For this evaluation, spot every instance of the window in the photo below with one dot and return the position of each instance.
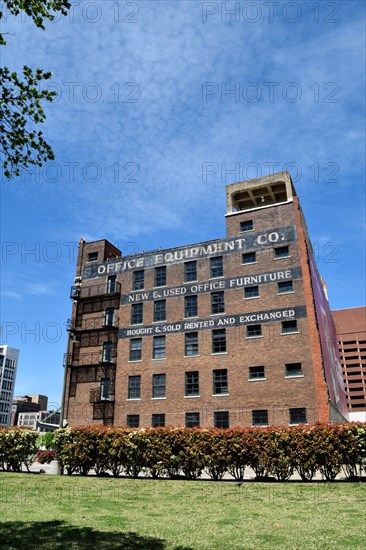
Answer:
(191, 343)
(254, 331)
(111, 284)
(159, 385)
(160, 310)
(134, 387)
(136, 314)
(138, 280)
(135, 349)
(256, 373)
(158, 420)
(190, 306)
(249, 258)
(293, 369)
(220, 384)
(260, 417)
(298, 416)
(219, 340)
(285, 286)
(105, 389)
(93, 257)
(246, 226)
(190, 271)
(159, 347)
(216, 265)
(221, 419)
(107, 352)
(160, 276)
(192, 420)
(192, 383)
(109, 316)
(133, 420)
(251, 292)
(289, 327)
(281, 252)
(217, 303)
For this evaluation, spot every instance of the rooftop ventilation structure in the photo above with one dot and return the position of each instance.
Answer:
(259, 193)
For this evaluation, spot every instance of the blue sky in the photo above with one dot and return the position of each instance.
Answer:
(147, 134)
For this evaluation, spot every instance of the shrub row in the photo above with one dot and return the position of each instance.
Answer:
(174, 452)
(17, 447)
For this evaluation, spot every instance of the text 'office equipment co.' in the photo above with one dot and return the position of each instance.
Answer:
(225, 321)
(212, 286)
(252, 241)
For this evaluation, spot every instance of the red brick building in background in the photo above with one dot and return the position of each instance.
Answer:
(230, 332)
(351, 334)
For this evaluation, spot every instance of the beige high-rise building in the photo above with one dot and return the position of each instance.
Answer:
(8, 370)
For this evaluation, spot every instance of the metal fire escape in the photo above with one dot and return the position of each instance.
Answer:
(95, 324)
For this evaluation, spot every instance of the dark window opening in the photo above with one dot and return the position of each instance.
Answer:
(160, 276)
(216, 265)
(246, 226)
(220, 381)
(219, 341)
(221, 419)
(190, 271)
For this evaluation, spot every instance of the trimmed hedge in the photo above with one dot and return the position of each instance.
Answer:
(17, 448)
(174, 452)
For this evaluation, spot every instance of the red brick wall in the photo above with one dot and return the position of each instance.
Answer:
(273, 350)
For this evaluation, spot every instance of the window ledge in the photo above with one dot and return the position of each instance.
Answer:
(188, 356)
(251, 297)
(136, 324)
(133, 399)
(191, 396)
(157, 398)
(249, 263)
(260, 425)
(157, 287)
(158, 322)
(256, 379)
(158, 359)
(292, 332)
(220, 394)
(189, 282)
(216, 314)
(286, 292)
(219, 353)
(294, 376)
(135, 360)
(219, 277)
(282, 258)
(254, 337)
(193, 317)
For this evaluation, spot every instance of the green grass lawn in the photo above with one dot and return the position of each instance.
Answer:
(51, 512)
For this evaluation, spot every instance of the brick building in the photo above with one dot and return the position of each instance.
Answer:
(230, 332)
(351, 333)
(27, 404)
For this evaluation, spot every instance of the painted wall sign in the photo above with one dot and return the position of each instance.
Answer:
(240, 319)
(211, 286)
(251, 241)
(328, 342)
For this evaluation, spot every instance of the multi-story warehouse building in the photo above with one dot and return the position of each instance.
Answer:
(230, 332)
(351, 334)
(8, 371)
